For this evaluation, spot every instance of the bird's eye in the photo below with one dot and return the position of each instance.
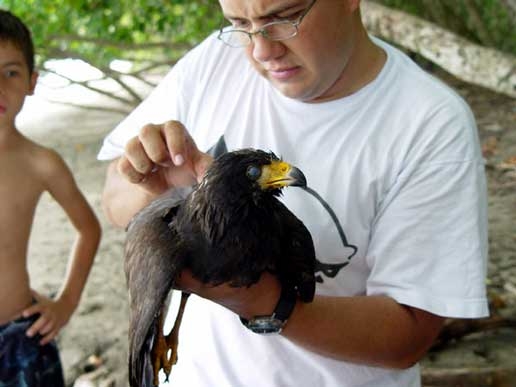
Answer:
(253, 172)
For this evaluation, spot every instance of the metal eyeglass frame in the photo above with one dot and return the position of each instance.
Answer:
(228, 31)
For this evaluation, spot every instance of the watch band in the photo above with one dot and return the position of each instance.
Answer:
(275, 322)
(286, 304)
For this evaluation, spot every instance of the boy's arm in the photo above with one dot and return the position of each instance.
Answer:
(61, 185)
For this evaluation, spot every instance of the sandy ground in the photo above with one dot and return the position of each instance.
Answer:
(100, 324)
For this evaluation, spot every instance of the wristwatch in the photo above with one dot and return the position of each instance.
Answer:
(274, 323)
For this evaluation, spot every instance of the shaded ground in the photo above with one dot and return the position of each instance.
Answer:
(100, 324)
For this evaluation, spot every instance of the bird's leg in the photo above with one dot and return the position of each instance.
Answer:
(159, 348)
(173, 337)
(164, 344)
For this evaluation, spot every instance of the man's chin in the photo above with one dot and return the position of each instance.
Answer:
(287, 89)
(291, 92)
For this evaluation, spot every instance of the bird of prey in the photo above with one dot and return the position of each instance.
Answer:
(230, 228)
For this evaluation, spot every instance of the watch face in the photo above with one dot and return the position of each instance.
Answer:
(265, 325)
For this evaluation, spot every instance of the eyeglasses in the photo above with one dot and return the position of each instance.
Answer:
(276, 30)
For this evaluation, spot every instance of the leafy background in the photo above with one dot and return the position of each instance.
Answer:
(153, 34)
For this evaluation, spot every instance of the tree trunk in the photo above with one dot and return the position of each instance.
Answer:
(467, 61)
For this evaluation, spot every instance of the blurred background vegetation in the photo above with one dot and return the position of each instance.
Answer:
(153, 34)
(491, 23)
(150, 34)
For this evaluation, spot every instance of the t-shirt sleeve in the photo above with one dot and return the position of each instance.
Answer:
(162, 104)
(429, 242)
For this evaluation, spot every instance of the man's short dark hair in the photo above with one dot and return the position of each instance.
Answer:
(14, 31)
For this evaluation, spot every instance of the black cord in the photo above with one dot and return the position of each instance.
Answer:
(334, 218)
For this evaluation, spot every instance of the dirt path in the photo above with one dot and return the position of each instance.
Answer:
(100, 324)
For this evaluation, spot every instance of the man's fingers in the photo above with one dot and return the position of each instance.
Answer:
(163, 145)
(152, 143)
(201, 164)
(176, 138)
(126, 169)
(183, 149)
(138, 157)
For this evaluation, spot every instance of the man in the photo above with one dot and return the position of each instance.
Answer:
(391, 150)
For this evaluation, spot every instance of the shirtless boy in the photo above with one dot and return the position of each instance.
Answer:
(30, 321)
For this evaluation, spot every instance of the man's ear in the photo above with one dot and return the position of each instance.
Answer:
(33, 81)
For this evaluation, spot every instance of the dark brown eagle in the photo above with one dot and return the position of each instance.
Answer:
(230, 228)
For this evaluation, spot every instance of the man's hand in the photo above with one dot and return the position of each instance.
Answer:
(259, 299)
(160, 157)
(54, 314)
(163, 156)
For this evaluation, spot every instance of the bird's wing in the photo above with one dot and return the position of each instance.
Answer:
(297, 264)
(153, 258)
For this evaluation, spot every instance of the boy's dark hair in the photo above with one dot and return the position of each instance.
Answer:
(14, 31)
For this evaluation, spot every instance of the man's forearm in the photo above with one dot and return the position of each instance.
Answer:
(371, 330)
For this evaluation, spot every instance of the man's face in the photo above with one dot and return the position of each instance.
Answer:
(15, 82)
(310, 66)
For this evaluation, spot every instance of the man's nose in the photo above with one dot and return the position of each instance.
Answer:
(265, 49)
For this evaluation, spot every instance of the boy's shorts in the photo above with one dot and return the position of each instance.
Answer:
(23, 361)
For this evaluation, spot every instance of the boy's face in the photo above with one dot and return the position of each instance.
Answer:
(308, 67)
(15, 82)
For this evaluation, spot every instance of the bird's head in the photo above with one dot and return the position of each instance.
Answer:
(251, 171)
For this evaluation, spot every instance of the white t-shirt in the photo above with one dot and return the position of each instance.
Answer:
(398, 162)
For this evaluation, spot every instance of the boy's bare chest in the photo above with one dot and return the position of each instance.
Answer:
(20, 188)
(18, 200)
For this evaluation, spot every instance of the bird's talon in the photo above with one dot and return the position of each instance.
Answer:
(164, 351)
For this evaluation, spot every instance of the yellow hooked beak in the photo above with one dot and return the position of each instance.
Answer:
(279, 174)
